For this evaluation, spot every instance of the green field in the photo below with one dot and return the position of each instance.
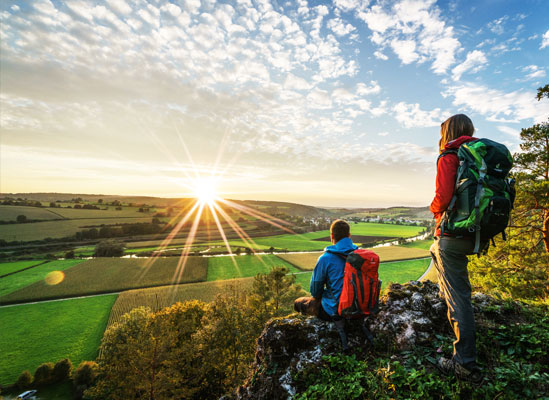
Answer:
(307, 242)
(47, 332)
(57, 228)
(10, 213)
(394, 271)
(9, 267)
(420, 244)
(220, 268)
(34, 276)
(105, 275)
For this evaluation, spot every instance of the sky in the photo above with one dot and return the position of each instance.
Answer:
(321, 103)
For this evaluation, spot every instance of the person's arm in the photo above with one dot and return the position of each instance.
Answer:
(318, 279)
(445, 183)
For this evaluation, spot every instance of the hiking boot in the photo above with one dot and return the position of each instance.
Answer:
(451, 367)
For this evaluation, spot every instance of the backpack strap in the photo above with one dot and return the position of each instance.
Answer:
(449, 151)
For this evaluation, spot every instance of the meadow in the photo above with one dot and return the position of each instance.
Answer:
(58, 228)
(14, 266)
(20, 281)
(50, 331)
(10, 213)
(106, 275)
(221, 268)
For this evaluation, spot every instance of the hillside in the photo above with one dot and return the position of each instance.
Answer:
(299, 357)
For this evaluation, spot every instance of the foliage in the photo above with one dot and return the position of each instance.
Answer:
(62, 370)
(49, 331)
(156, 356)
(543, 92)
(273, 293)
(85, 374)
(518, 267)
(43, 374)
(24, 380)
(109, 248)
(512, 355)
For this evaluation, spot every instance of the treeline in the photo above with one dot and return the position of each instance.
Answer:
(190, 350)
(121, 230)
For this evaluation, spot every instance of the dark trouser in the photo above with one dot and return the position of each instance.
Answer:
(450, 259)
(313, 307)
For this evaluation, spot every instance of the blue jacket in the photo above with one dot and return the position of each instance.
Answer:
(327, 279)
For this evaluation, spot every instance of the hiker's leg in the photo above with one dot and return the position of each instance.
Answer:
(451, 264)
(307, 306)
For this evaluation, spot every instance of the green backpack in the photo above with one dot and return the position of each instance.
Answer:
(483, 195)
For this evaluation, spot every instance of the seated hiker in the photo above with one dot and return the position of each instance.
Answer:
(327, 279)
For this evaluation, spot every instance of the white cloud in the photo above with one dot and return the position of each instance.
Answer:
(497, 105)
(496, 26)
(363, 90)
(383, 133)
(120, 6)
(475, 61)
(411, 116)
(509, 131)
(380, 55)
(405, 50)
(339, 27)
(414, 30)
(296, 83)
(545, 40)
(534, 72)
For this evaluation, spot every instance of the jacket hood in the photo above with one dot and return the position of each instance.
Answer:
(454, 144)
(344, 246)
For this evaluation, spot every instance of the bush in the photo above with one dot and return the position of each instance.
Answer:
(69, 254)
(62, 370)
(24, 380)
(109, 248)
(43, 374)
(85, 374)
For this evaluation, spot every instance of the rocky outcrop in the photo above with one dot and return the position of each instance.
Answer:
(409, 315)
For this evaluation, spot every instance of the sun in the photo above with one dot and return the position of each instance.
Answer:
(205, 191)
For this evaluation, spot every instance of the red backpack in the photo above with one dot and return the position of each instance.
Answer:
(361, 285)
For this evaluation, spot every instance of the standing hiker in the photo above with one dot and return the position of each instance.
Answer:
(450, 253)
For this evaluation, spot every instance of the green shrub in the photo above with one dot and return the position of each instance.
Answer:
(109, 248)
(24, 380)
(62, 370)
(85, 374)
(43, 374)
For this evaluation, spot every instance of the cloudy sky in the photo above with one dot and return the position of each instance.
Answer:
(323, 103)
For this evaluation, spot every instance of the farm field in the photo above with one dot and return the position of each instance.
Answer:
(47, 332)
(221, 268)
(10, 213)
(21, 280)
(307, 261)
(164, 296)
(420, 244)
(105, 275)
(310, 241)
(10, 267)
(56, 229)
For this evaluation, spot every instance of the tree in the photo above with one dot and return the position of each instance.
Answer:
(43, 374)
(21, 219)
(69, 254)
(109, 248)
(24, 380)
(518, 267)
(156, 356)
(86, 373)
(543, 92)
(274, 292)
(62, 370)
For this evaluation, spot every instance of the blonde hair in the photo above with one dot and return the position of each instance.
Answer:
(454, 127)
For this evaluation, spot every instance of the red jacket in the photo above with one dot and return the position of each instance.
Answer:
(446, 179)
